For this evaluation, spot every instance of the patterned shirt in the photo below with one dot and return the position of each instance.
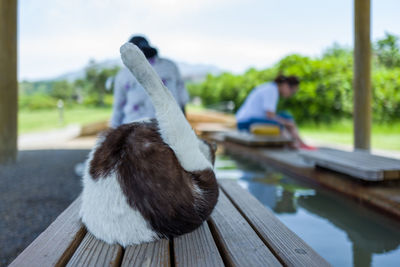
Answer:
(131, 101)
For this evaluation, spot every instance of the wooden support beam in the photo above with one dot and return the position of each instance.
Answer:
(362, 74)
(8, 81)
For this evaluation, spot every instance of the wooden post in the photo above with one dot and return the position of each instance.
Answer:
(8, 81)
(362, 74)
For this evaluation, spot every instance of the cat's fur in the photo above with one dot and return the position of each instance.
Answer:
(149, 179)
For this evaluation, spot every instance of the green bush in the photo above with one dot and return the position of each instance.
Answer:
(89, 91)
(36, 101)
(326, 87)
(326, 90)
(386, 94)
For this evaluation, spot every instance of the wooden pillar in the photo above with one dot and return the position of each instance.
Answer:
(8, 81)
(362, 74)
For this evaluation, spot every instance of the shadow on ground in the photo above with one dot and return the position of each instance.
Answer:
(33, 192)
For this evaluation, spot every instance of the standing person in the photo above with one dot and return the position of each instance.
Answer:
(131, 102)
(261, 104)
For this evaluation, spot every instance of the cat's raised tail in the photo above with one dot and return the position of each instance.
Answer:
(174, 128)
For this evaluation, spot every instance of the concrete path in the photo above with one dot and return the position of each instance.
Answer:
(35, 190)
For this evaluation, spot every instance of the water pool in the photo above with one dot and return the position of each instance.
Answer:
(342, 231)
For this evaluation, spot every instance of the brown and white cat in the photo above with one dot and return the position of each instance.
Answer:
(151, 179)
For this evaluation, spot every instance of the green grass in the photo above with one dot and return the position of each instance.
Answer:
(41, 120)
(384, 136)
(191, 107)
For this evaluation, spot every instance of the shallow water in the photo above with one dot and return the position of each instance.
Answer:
(342, 231)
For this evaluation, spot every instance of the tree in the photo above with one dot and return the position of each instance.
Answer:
(62, 90)
(388, 51)
(94, 84)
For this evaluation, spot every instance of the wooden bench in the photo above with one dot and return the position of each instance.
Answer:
(249, 139)
(359, 164)
(240, 232)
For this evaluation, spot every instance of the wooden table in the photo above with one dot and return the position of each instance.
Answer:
(240, 232)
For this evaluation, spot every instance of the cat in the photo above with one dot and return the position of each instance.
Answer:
(149, 179)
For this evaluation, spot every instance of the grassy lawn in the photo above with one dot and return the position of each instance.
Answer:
(385, 137)
(40, 120)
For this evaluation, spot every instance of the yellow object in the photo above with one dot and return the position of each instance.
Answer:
(265, 129)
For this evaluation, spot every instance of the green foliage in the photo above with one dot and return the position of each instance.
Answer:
(229, 87)
(89, 91)
(63, 90)
(326, 87)
(94, 84)
(30, 88)
(326, 90)
(36, 101)
(44, 95)
(388, 52)
(386, 94)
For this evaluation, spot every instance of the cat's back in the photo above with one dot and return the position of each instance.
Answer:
(172, 200)
(135, 141)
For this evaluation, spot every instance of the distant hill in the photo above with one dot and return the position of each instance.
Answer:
(189, 72)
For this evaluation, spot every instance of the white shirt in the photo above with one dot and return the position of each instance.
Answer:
(131, 101)
(262, 98)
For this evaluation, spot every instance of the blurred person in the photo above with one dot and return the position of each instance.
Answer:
(131, 101)
(261, 104)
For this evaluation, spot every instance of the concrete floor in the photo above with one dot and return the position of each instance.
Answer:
(33, 192)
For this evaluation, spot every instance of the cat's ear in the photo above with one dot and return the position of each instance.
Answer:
(174, 128)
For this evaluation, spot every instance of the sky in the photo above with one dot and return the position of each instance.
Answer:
(59, 36)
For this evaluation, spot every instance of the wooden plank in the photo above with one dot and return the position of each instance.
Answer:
(342, 165)
(57, 243)
(94, 128)
(390, 167)
(148, 254)
(288, 156)
(254, 140)
(344, 159)
(207, 116)
(197, 249)
(94, 252)
(237, 241)
(366, 157)
(360, 165)
(210, 127)
(8, 81)
(362, 74)
(286, 245)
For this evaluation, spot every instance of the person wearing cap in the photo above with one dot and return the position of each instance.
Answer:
(261, 104)
(131, 101)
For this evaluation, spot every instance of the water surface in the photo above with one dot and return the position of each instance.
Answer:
(342, 231)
